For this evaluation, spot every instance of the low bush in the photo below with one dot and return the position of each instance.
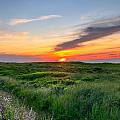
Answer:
(36, 75)
(88, 79)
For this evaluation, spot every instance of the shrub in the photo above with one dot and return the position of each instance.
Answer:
(36, 75)
(88, 79)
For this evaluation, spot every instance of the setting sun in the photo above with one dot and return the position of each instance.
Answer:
(62, 59)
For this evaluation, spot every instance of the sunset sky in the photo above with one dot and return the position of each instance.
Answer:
(58, 30)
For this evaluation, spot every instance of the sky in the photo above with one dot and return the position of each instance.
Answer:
(56, 30)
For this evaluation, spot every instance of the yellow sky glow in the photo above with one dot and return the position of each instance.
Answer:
(24, 44)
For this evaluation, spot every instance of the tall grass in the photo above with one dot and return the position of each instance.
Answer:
(70, 91)
(86, 104)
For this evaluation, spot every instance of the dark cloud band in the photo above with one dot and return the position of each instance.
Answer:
(95, 30)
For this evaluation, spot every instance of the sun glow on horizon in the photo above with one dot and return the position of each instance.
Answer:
(62, 60)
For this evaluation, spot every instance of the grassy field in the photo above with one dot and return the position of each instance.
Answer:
(63, 91)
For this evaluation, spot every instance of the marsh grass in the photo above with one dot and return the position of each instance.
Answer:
(70, 91)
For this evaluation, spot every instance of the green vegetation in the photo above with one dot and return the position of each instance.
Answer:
(12, 109)
(65, 91)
